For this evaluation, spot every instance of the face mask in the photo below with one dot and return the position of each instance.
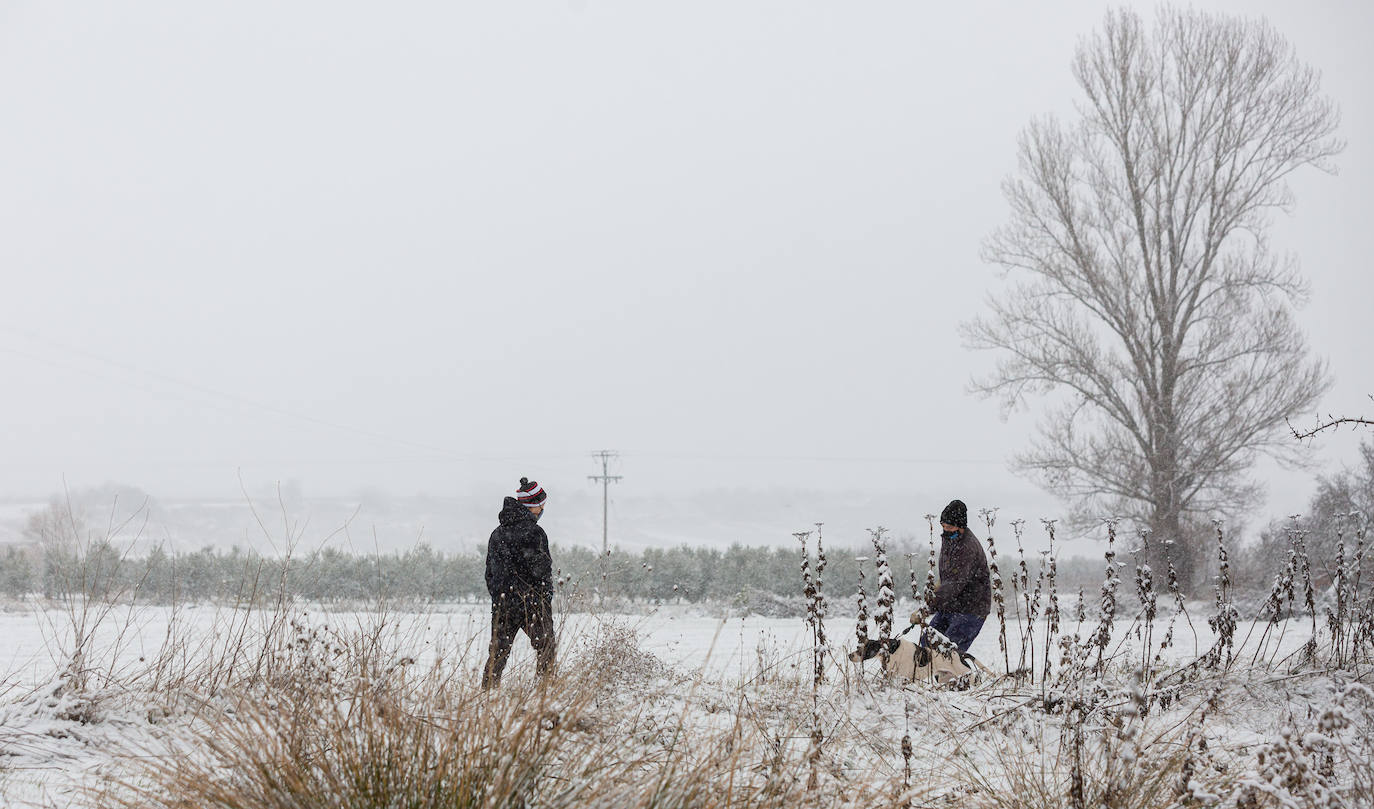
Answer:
(948, 534)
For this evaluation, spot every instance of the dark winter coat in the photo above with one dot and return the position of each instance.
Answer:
(965, 586)
(518, 561)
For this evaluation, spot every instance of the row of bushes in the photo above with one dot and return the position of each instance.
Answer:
(655, 575)
(681, 574)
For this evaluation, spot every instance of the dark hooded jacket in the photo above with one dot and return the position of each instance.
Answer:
(518, 561)
(965, 586)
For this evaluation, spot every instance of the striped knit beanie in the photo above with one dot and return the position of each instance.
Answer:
(530, 493)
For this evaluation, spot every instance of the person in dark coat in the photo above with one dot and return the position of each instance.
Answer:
(964, 597)
(520, 582)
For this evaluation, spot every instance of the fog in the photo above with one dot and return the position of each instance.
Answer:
(429, 248)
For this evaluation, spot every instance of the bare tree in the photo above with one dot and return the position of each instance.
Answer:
(1145, 293)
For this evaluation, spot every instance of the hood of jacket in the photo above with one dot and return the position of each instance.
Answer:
(512, 513)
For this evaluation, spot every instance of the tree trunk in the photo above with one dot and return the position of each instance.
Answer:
(1167, 542)
(1168, 526)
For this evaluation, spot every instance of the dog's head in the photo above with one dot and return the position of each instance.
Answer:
(872, 648)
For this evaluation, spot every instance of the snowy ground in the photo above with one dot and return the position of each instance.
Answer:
(685, 637)
(56, 747)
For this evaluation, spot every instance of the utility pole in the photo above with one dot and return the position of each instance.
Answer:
(605, 479)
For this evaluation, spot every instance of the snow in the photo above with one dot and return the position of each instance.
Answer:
(58, 743)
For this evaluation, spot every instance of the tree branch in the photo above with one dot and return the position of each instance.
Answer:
(1331, 423)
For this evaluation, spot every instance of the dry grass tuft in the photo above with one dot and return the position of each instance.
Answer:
(1052, 767)
(378, 746)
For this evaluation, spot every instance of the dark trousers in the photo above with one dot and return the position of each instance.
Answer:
(959, 627)
(511, 614)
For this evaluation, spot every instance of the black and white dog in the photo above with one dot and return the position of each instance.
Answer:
(917, 663)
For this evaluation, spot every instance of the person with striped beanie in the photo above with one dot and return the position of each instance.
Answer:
(520, 581)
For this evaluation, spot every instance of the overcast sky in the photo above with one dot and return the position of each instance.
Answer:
(436, 246)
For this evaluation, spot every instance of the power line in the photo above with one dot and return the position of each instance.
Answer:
(821, 458)
(227, 401)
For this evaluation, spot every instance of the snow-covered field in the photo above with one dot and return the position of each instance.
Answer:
(685, 637)
(149, 675)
